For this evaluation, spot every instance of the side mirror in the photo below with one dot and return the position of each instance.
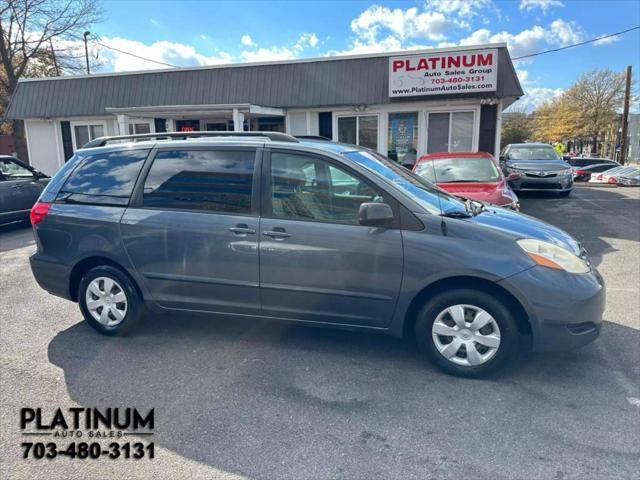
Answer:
(373, 214)
(502, 159)
(513, 176)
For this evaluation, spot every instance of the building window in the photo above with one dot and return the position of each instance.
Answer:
(85, 133)
(359, 130)
(450, 132)
(402, 145)
(139, 128)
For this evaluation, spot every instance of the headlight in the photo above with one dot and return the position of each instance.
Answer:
(552, 256)
(566, 171)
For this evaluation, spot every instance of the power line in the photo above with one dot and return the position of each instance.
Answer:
(576, 44)
(134, 55)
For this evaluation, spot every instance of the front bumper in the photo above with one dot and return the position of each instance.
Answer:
(565, 310)
(557, 183)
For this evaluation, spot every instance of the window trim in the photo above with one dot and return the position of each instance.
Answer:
(138, 190)
(85, 123)
(266, 197)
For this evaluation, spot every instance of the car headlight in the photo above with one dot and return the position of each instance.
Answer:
(566, 171)
(552, 256)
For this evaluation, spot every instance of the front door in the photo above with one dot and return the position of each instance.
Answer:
(316, 262)
(192, 234)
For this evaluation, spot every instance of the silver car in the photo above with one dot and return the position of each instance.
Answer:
(536, 167)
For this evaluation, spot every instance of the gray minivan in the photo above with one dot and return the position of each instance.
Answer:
(260, 224)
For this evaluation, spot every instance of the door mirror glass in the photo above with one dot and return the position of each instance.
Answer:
(374, 214)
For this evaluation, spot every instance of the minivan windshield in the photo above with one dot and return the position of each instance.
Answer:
(435, 200)
(458, 170)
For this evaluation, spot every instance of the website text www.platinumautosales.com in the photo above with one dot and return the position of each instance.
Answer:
(441, 88)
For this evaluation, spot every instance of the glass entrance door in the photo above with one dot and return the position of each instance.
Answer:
(450, 131)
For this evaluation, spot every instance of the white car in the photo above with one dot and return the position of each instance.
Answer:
(611, 176)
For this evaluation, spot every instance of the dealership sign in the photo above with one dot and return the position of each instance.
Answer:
(443, 73)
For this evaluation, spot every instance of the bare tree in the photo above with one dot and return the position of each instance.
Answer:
(36, 34)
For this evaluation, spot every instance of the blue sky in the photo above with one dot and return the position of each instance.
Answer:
(187, 33)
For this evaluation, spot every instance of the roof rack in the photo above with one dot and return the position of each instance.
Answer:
(273, 136)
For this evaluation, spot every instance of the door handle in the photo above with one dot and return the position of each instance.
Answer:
(277, 233)
(242, 229)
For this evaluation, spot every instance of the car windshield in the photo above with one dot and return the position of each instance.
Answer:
(458, 170)
(533, 153)
(435, 200)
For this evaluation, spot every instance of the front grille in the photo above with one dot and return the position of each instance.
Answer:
(541, 186)
(541, 174)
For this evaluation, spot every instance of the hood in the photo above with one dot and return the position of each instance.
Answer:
(538, 165)
(523, 226)
(483, 192)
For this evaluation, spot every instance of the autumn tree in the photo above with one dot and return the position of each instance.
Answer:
(597, 96)
(40, 38)
(516, 127)
(557, 119)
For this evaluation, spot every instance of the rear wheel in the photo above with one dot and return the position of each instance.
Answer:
(109, 301)
(467, 332)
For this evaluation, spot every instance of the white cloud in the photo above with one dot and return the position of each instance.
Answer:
(247, 41)
(464, 8)
(606, 41)
(403, 24)
(267, 54)
(544, 5)
(163, 51)
(536, 96)
(531, 40)
(306, 40)
(565, 33)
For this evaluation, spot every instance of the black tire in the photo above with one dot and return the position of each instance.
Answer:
(564, 194)
(504, 318)
(134, 304)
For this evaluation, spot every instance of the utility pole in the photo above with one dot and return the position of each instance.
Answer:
(625, 118)
(86, 50)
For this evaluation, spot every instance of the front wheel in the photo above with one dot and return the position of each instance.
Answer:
(109, 301)
(467, 333)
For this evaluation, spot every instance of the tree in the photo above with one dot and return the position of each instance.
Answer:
(557, 120)
(597, 95)
(516, 127)
(40, 37)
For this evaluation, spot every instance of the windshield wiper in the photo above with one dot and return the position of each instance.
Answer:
(461, 181)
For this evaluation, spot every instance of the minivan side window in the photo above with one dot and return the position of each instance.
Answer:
(307, 188)
(105, 178)
(208, 180)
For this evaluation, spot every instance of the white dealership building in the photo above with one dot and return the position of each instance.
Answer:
(409, 102)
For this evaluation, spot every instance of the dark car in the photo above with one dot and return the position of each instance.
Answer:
(20, 187)
(583, 173)
(538, 167)
(261, 225)
(586, 162)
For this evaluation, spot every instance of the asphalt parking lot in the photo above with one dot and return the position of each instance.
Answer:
(263, 400)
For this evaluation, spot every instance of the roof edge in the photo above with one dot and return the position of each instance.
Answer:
(277, 62)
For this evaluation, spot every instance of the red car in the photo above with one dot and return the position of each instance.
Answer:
(473, 175)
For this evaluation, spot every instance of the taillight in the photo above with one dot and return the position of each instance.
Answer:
(580, 172)
(38, 212)
(612, 180)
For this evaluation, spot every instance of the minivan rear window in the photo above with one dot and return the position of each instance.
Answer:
(105, 178)
(209, 180)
